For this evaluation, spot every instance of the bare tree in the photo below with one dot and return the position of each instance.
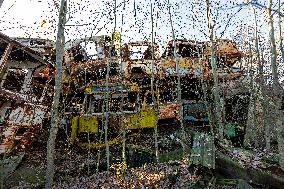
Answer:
(250, 124)
(60, 41)
(178, 87)
(277, 90)
(152, 89)
(280, 31)
(264, 118)
(216, 95)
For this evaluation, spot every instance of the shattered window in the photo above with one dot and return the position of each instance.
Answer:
(20, 55)
(187, 50)
(38, 86)
(137, 52)
(91, 50)
(15, 79)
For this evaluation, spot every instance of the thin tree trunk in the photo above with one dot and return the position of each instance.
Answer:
(216, 95)
(57, 91)
(277, 90)
(122, 124)
(1, 2)
(280, 31)
(107, 116)
(107, 93)
(153, 91)
(265, 122)
(250, 134)
(265, 106)
(178, 87)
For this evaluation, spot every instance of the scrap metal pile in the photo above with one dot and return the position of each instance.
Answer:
(25, 94)
(133, 85)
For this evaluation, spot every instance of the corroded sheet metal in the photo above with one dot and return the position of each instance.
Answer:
(143, 119)
(22, 47)
(4, 59)
(225, 49)
(169, 111)
(21, 109)
(20, 125)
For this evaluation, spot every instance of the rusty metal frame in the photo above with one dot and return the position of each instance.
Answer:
(4, 59)
(24, 48)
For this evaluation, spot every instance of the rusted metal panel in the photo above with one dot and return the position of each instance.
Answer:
(18, 117)
(168, 111)
(225, 49)
(43, 46)
(27, 116)
(24, 48)
(5, 56)
(21, 111)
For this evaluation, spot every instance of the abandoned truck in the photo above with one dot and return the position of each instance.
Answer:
(119, 82)
(25, 93)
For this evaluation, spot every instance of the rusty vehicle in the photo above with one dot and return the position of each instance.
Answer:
(193, 59)
(131, 67)
(86, 73)
(25, 92)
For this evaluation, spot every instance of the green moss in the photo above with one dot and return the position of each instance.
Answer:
(173, 155)
(227, 166)
(28, 176)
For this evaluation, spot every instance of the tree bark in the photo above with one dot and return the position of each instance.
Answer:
(263, 119)
(122, 124)
(57, 91)
(250, 134)
(263, 100)
(280, 31)
(153, 91)
(265, 107)
(178, 87)
(216, 95)
(277, 89)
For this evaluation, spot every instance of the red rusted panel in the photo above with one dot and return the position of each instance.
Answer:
(169, 111)
(4, 59)
(22, 113)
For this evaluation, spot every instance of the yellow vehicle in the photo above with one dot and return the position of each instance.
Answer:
(146, 117)
(124, 108)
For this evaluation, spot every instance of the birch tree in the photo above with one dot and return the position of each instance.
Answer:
(60, 41)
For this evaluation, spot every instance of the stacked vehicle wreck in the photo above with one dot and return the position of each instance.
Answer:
(25, 94)
(126, 87)
(133, 86)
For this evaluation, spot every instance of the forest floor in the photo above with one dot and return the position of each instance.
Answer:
(77, 168)
(72, 172)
